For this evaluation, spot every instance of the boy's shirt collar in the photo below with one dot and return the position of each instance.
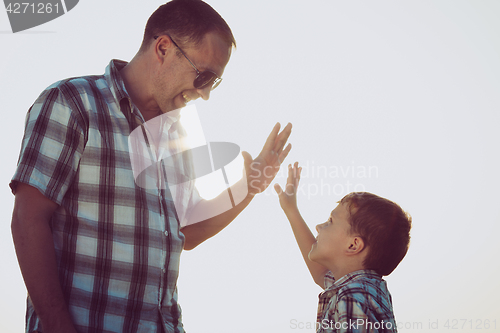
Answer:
(331, 284)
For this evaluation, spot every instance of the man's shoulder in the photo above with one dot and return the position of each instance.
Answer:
(80, 84)
(79, 93)
(108, 87)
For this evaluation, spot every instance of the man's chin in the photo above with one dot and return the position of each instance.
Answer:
(177, 104)
(170, 108)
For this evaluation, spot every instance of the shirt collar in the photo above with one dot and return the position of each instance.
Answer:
(354, 276)
(114, 79)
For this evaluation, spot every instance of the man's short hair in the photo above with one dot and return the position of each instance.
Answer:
(384, 228)
(187, 21)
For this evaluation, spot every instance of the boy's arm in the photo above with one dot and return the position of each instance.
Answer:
(259, 174)
(303, 235)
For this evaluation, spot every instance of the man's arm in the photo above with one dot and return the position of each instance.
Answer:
(302, 233)
(259, 174)
(36, 255)
(197, 233)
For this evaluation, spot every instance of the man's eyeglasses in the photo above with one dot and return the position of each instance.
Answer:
(203, 79)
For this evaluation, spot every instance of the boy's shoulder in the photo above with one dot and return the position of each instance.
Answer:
(361, 295)
(364, 282)
(367, 288)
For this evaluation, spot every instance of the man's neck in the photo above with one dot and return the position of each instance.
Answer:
(135, 78)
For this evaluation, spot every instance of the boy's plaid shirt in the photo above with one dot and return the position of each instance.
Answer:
(358, 302)
(118, 245)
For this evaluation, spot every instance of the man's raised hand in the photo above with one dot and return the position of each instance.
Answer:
(261, 171)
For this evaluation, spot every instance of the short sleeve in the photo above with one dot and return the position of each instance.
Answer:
(52, 145)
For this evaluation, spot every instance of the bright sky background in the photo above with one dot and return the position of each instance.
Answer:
(406, 89)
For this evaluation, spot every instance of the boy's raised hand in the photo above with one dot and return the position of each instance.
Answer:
(288, 197)
(305, 239)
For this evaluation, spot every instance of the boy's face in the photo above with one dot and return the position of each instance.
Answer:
(333, 238)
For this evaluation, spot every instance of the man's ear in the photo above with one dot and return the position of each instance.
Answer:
(356, 246)
(162, 45)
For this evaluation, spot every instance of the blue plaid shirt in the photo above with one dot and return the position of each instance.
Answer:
(118, 244)
(358, 302)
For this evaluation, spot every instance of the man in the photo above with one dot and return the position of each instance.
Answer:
(98, 252)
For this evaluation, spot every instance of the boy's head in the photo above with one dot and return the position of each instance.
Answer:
(365, 229)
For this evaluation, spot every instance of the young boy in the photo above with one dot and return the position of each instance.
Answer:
(365, 237)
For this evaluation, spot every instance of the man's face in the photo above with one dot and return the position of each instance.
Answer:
(333, 238)
(173, 82)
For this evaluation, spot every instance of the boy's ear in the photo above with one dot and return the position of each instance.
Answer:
(355, 246)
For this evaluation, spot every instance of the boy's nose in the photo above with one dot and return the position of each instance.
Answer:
(319, 226)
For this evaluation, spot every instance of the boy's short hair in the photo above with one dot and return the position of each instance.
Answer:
(384, 228)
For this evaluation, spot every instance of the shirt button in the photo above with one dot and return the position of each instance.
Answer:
(163, 270)
(166, 233)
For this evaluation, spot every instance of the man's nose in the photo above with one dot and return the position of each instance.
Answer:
(205, 92)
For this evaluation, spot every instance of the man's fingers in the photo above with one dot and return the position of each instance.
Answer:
(247, 158)
(271, 139)
(284, 153)
(282, 138)
(247, 161)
